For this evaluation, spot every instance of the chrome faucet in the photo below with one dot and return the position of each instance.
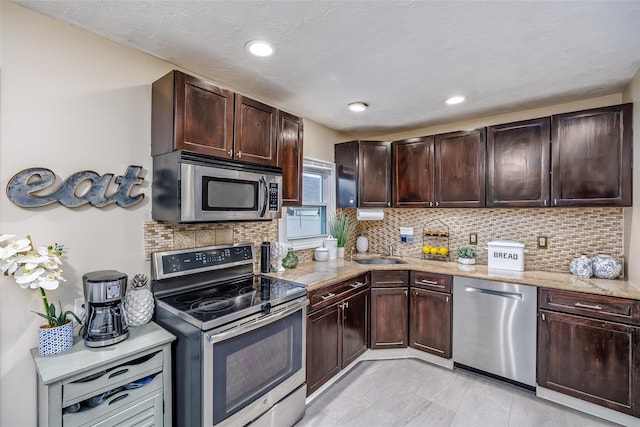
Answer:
(390, 250)
(351, 254)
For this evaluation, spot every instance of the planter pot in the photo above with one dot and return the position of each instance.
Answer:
(55, 340)
(468, 261)
(340, 252)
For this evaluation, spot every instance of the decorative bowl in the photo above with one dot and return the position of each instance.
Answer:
(606, 267)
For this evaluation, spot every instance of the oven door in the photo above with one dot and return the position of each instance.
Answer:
(250, 368)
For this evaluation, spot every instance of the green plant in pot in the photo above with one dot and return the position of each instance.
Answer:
(40, 269)
(466, 255)
(340, 229)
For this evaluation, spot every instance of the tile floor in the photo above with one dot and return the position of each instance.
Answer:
(410, 392)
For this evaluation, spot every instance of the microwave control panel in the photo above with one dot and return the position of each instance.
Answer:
(273, 197)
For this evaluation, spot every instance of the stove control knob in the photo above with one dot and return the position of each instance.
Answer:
(266, 308)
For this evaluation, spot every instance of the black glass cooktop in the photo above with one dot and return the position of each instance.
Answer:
(231, 297)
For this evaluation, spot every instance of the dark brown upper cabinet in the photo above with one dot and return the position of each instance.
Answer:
(518, 163)
(363, 170)
(591, 157)
(413, 172)
(191, 114)
(290, 144)
(255, 131)
(460, 169)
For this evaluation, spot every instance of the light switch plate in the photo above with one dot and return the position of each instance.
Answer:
(542, 242)
(473, 238)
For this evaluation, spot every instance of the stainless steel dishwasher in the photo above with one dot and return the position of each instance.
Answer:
(494, 328)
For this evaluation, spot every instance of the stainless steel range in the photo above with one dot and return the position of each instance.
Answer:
(239, 357)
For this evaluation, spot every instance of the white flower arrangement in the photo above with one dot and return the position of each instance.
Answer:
(39, 268)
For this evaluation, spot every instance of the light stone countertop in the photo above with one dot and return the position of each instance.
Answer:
(315, 275)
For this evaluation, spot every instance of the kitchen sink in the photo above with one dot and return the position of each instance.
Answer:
(379, 261)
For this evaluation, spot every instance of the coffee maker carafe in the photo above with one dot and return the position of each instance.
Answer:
(104, 294)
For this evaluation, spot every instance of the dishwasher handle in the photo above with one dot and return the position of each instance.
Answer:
(503, 294)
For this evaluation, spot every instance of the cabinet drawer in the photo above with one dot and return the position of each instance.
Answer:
(110, 378)
(328, 295)
(432, 281)
(597, 306)
(113, 404)
(389, 279)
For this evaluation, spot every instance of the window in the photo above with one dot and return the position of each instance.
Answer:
(305, 226)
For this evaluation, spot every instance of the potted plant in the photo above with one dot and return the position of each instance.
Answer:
(466, 255)
(340, 229)
(40, 269)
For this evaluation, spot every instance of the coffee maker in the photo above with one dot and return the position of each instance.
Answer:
(104, 294)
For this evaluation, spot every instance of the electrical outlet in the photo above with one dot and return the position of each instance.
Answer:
(78, 307)
(473, 238)
(542, 242)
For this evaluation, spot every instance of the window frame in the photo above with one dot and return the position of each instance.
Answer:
(328, 170)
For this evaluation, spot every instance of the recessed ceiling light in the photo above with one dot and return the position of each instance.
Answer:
(259, 48)
(357, 106)
(454, 100)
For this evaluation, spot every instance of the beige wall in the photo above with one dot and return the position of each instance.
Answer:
(319, 140)
(632, 215)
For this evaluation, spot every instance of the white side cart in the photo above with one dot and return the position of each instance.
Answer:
(126, 384)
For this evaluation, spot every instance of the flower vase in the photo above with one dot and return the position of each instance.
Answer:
(291, 260)
(55, 340)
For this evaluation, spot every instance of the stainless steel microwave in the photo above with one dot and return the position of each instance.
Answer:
(191, 187)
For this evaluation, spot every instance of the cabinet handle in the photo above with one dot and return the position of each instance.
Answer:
(389, 204)
(446, 299)
(119, 398)
(406, 292)
(345, 304)
(555, 202)
(545, 203)
(431, 283)
(357, 285)
(593, 307)
(239, 154)
(543, 317)
(120, 372)
(327, 296)
(437, 204)
(430, 204)
(230, 153)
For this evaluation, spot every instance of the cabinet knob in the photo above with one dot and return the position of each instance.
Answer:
(430, 204)
(389, 204)
(437, 204)
(230, 153)
(406, 292)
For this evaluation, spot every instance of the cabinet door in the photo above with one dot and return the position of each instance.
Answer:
(355, 326)
(323, 346)
(430, 322)
(389, 313)
(374, 174)
(255, 131)
(191, 114)
(590, 359)
(459, 168)
(591, 157)
(290, 138)
(413, 172)
(346, 159)
(518, 167)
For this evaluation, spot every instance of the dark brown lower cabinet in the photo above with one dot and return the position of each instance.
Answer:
(584, 354)
(430, 313)
(389, 317)
(430, 322)
(337, 329)
(389, 309)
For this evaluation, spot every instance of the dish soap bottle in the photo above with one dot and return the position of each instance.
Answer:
(291, 260)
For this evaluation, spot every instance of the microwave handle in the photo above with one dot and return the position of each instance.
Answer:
(263, 209)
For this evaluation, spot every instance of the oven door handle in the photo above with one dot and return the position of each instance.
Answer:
(214, 338)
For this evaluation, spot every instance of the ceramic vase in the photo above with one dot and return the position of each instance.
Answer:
(340, 252)
(278, 252)
(581, 266)
(55, 340)
(362, 244)
(606, 267)
(291, 260)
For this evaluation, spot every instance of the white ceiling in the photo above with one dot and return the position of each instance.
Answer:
(403, 58)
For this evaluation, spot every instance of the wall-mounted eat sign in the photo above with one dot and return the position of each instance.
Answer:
(25, 188)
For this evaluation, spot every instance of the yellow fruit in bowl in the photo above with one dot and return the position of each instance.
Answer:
(426, 249)
(444, 251)
(434, 251)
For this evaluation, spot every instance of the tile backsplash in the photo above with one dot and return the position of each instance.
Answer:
(570, 232)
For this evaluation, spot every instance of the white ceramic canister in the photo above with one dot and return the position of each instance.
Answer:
(331, 244)
(321, 254)
(362, 244)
